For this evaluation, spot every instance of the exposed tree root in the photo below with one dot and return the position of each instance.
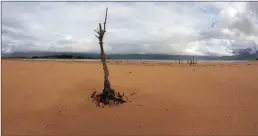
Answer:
(108, 98)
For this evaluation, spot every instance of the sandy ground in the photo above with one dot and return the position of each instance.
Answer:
(52, 98)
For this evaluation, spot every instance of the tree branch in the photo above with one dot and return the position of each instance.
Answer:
(97, 31)
(105, 20)
(100, 28)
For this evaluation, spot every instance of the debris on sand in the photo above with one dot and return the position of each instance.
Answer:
(133, 94)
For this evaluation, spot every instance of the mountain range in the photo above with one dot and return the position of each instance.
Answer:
(242, 54)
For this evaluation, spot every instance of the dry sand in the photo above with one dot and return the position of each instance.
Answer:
(52, 98)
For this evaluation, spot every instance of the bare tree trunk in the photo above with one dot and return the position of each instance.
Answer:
(108, 95)
(101, 32)
(191, 61)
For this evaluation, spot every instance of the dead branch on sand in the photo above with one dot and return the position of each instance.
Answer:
(108, 95)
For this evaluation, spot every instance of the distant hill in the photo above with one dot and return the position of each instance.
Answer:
(67, 55)
(247, 53)
(244, 54)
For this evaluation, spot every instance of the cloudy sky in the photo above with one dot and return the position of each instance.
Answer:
(199, 28)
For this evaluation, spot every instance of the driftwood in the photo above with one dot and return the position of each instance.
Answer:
(108, 95)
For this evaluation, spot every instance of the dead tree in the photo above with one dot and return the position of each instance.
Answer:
(194, 60)
(108, 95)
(191, 61)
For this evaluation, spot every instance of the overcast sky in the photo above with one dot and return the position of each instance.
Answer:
(199, 28)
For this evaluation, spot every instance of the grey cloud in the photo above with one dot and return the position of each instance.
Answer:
(60, 49)
(237, 30)
(253, 7)
(16, 35)
(66, 42)
(216, 33)
(12, 22)
(172, 27)
(15, 47)
(244, 25)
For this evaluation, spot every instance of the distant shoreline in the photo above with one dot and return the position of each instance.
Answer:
(129, 60)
